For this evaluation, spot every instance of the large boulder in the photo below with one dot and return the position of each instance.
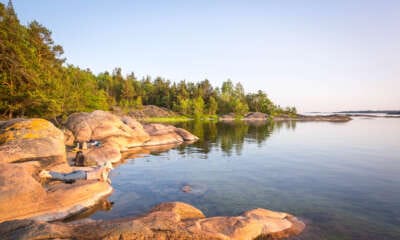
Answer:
(119, 134)
(115, 134)
(101, 125)
(174, 220)
(108, 151)
(31, 139)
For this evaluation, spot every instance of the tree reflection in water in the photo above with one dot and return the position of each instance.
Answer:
(230, 136)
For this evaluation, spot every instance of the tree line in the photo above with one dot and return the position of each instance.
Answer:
(35, 80)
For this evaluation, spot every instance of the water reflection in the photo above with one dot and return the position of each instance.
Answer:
(231, 136)
(342, 178)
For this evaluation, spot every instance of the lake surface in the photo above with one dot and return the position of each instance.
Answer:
(342, 179)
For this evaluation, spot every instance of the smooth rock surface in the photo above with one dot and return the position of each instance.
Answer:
(227, 117)
(167, 134)
(108, 151)
(119, 134)
(26, 147)
(173, 220)
(100, 125)
(30, 139)
(69, 138)
(23, 195)
(255, 116)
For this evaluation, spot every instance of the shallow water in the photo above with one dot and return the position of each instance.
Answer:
(342, 179)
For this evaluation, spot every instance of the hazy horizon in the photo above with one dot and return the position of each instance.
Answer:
(316, 56)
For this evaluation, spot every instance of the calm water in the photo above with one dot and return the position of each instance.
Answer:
(342, 179)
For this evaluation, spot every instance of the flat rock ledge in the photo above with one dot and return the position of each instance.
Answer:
(172, 220)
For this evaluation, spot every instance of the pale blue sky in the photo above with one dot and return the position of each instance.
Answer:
(317, 55)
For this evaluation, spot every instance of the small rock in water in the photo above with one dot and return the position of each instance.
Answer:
(186, 189)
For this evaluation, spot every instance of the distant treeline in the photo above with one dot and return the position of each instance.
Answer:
(36, 81)
(393, 112)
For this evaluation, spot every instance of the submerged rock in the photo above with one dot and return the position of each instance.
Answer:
(186, 189)
(174, 220)
(194, 188)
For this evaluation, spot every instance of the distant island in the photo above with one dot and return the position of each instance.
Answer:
(392, 112)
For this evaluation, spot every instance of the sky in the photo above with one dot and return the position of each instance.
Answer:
(315, 55)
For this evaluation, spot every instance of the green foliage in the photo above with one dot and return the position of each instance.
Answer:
(212, 106)
(259, 102)
(239, 107)
(35, 81)
(167, 119)
(198, 107)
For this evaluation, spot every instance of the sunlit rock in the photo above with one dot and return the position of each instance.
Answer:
(173, 220)
(101, 125)
(30, 139)
(167, 134)
(255, 116)
(23, 195)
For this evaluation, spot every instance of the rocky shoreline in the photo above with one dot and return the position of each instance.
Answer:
(316, 118)
(258, 116)
(27, 203)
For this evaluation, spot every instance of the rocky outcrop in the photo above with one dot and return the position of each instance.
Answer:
(173, 220)
(102, 126)
(255, 116)
(108, 151)
(119, 134)
(69, 138)
(167, 134)
(186, 135)
(23, 196)
(26, 147)
(150, 111)
(227, 117)
(30, 139)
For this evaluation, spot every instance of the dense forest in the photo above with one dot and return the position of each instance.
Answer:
(35, 80)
